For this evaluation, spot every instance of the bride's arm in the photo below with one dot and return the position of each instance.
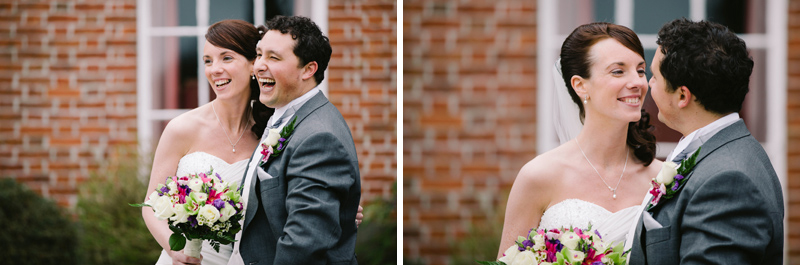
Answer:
(171, 147)
(529, 196)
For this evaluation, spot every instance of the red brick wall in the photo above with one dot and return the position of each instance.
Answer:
(469, 120)
(67, 90)
(793, 147)
(362, 84)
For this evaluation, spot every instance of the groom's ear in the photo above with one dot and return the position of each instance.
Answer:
(684, 96)
(578, 83)
(309, 69)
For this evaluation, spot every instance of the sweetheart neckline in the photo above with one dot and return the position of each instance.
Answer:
(220, 159)
(590, 203)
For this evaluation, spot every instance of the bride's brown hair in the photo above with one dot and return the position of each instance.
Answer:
(575, 61)
(241, 37)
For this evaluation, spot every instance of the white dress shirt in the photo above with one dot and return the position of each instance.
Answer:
(704, 134)
(236, 257)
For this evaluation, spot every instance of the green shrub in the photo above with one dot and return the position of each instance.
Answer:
(111, 231)
(34, 230)
(377, 234)
(481, 242)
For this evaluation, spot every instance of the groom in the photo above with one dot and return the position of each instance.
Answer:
(729, 210)
(305, 189)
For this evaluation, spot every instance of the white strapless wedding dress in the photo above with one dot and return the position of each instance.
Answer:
(201, 162)
(613, 227)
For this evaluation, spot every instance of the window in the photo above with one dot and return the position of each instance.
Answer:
(170, 40)
(764, 110)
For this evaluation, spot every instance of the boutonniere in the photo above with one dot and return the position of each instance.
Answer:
(276, 141)
(670, 179)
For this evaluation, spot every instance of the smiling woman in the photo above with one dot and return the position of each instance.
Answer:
(603, 69)
(221, 134)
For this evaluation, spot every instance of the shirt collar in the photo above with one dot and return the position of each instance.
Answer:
(296, 104)
(705, 133)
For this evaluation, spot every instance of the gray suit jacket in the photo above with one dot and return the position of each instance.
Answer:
(729, 211)
(306, 213)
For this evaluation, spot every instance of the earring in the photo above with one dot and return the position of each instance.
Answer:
(253, 77)
(585, 99)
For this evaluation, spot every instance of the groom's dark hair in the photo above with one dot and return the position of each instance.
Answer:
(709, 59)
(310, 44)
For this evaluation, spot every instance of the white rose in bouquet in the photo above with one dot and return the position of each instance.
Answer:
(196, 184)
(226, 212)
(525, 258)
(509, 254)
(207, 215)
(152, 198)
(569, 239)
(163, 208)
(181, 215)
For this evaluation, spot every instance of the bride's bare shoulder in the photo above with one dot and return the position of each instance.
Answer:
(544, 168)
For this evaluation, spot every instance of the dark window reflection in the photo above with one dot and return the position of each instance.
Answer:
(741, 16)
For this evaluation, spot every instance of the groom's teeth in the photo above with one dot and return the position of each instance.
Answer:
(268, 81)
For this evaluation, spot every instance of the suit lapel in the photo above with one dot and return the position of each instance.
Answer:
(252, 203)
(636, 245)
(735, 131)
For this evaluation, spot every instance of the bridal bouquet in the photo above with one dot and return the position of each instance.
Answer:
(562, 246)
(199, 207)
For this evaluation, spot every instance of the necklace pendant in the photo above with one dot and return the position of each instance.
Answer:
(614, 195)
(234, 150)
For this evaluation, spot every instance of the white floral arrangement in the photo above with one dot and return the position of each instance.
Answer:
(199, 207)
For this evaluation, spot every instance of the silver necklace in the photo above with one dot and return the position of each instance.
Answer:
(233, 145)
(614, 190)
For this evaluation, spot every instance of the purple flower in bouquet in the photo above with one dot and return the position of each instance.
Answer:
(218, 203)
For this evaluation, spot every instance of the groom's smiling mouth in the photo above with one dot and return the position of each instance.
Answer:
(266, 83)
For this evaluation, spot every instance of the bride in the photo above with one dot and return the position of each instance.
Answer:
(222, 134)
(601, 176)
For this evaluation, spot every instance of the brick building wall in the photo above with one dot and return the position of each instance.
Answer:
(793, 145)
(469, 113)
(362, 84)
(68, 89)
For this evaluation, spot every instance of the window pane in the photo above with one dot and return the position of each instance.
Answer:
(174, 72)
(171, 13)
(741, 16)
(573, 13)
(278, 7)
(650, 15)
(231, 9)
(754, 111)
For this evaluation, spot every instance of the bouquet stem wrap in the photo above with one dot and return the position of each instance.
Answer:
(193, 247)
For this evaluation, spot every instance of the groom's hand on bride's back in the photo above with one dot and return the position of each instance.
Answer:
(178, 258)
(359, 215)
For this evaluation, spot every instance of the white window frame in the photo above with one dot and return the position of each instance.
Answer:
(773, 42)
(317, 10)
